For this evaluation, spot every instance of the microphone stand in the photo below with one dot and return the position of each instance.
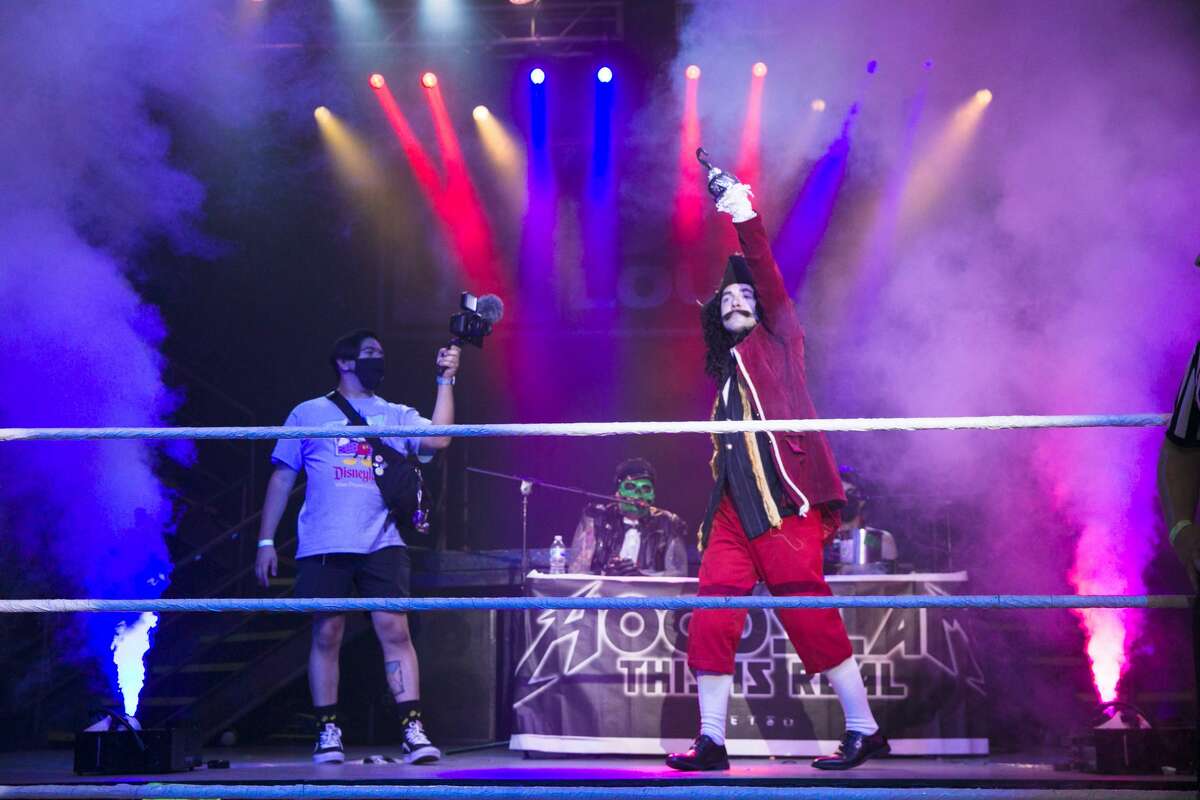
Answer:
(526, 487)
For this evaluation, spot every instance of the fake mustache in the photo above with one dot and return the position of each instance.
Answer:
(731, 314)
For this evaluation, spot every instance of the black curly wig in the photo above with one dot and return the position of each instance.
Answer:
(717, 340)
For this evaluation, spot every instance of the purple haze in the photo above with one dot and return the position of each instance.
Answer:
(85, 178)
(1052, 275)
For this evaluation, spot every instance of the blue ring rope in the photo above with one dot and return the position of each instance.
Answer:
(206, 791)
(340, 604)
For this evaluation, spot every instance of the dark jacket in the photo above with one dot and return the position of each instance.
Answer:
(602, 528)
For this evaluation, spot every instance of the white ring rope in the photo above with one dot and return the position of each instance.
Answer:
(1011, 422)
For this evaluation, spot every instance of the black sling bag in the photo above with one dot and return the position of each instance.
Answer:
(398, 476)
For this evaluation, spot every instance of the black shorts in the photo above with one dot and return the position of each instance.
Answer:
(384, 573)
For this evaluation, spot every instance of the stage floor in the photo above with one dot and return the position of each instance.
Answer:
(499, 766)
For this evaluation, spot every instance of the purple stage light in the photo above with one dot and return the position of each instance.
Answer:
(872, 65)
(604, 74)
(537, 76)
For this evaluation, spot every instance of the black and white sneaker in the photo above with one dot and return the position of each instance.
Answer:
(416, 747)
(329, 745)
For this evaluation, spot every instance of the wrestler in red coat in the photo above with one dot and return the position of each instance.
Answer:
(774, 502)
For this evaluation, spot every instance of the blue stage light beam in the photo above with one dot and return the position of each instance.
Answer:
(600, 227)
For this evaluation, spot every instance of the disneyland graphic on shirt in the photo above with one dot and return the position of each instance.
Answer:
(357, 464)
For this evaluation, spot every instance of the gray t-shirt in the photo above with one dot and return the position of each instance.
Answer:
(343, 511)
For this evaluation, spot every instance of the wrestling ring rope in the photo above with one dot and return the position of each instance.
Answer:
(339, 604)
(184, 791)
(861, 425)
(710, 789)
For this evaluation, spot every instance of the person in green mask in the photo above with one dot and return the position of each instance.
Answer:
(632, 537)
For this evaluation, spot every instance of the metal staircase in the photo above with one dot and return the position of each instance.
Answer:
(205, 671)
(197, 659)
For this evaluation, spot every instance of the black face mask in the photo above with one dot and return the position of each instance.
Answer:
(369, 372)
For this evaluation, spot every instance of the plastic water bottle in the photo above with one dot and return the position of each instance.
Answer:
(846, 547)
(558, 556)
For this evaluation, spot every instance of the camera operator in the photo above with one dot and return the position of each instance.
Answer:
(348, 539)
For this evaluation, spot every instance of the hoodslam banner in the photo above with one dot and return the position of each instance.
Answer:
(618, 682)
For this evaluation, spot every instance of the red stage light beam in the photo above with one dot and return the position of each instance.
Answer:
(465, 215)
(422, 165)
(749, 156)
(689, 190)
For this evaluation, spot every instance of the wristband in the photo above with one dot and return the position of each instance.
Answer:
(266, 543)
(442, 380)
(1183, 523)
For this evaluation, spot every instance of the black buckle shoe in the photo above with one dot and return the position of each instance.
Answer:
(704, 755)
(855, 749)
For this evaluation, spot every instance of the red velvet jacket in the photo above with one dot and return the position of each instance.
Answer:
(771, 362)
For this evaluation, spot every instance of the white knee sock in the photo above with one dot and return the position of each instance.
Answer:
(847, 681)
(714, 703)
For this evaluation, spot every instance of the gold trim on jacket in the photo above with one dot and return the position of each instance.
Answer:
(756, 464)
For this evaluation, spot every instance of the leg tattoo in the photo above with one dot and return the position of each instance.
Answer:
(395, 678)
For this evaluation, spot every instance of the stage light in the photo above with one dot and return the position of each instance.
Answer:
(604, 74)
(505, 155)
(937, 166)
(537, 76)
(692, 72)
(349, 155)
(760, 69)
(818, 105)
(377, 81)
(872, 65)
(428, 80)
(438, 15)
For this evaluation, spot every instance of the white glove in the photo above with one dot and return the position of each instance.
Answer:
(736, 203)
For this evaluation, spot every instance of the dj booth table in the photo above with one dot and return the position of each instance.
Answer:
(601, 681)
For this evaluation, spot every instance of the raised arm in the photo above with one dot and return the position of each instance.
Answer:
(443, 407)
(756, 247)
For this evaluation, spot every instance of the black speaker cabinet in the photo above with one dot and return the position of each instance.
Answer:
(461, 675)
(124, 752)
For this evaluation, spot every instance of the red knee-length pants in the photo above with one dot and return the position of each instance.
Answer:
(788, 560)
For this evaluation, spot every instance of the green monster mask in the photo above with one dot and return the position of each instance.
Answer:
(636, 489)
